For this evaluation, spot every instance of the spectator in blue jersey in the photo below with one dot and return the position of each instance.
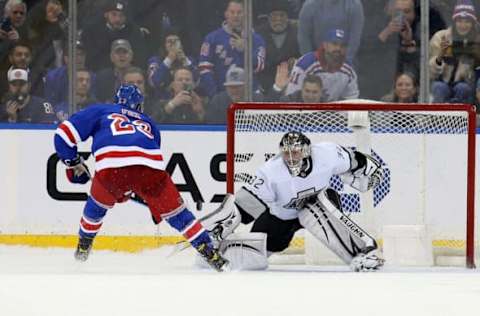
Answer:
(280, 35)
(19, 106)
(317, 17)
(329, 63)
(56, 80)
(98, 37)
(83, 95)
(234, 92)
(184, 106)
(454, 55)
(109, 79)
(171, 57)
(225, 47)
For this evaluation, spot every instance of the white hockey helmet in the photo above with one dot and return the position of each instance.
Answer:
(295, 148)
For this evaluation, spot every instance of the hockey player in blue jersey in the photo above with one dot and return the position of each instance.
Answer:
(128, 159)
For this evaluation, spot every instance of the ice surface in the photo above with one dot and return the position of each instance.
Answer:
(48, 282)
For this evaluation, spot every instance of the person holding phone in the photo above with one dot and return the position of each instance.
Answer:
(20, 106)
(12, 26)
(170, 58)
(225, 47)
(402, 18)
(390, 45)
(454, 55)
(184, 106)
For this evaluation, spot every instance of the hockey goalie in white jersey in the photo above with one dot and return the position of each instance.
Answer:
(290, 192)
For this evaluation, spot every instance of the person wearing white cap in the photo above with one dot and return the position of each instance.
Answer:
(454, 52)
(19, 106)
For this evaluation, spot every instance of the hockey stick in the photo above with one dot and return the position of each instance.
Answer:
(183, 245)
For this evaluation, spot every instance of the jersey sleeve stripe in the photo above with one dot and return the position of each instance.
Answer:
(63, 131)
(73, 131)
(63, 135)
(205, 64)
(260, 64)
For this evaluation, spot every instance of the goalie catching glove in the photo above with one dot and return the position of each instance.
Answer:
(366, 175)
(77, 171)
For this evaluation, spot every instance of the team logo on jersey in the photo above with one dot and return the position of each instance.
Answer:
(302, 198)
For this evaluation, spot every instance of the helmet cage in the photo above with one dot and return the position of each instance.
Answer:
(295, 148)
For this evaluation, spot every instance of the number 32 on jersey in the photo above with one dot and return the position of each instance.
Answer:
(121, 125)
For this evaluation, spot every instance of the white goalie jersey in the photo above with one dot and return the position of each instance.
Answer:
(284, 194)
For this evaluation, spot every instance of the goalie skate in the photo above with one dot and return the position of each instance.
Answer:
(366, 262)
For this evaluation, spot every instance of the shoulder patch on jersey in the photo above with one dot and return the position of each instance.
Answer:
(306, 60)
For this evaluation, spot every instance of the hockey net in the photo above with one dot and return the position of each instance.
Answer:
(425, 203)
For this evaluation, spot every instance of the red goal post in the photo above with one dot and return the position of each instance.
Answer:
(248, 121)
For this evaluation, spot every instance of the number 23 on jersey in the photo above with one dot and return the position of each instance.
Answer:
(121, 125)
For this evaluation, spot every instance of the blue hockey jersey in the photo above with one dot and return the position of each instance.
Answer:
(217, 55)
(121, 137)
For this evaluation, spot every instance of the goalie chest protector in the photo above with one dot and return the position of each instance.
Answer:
(286, 194)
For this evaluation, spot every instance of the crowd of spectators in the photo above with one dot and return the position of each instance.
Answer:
(187, 56)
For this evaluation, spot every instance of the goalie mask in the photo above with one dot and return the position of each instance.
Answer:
(295, 148)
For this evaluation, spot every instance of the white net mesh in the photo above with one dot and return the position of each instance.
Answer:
(424, 154)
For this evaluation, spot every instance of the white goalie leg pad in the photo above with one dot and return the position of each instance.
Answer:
(334, 229)
(245, 251)
(224, 220)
